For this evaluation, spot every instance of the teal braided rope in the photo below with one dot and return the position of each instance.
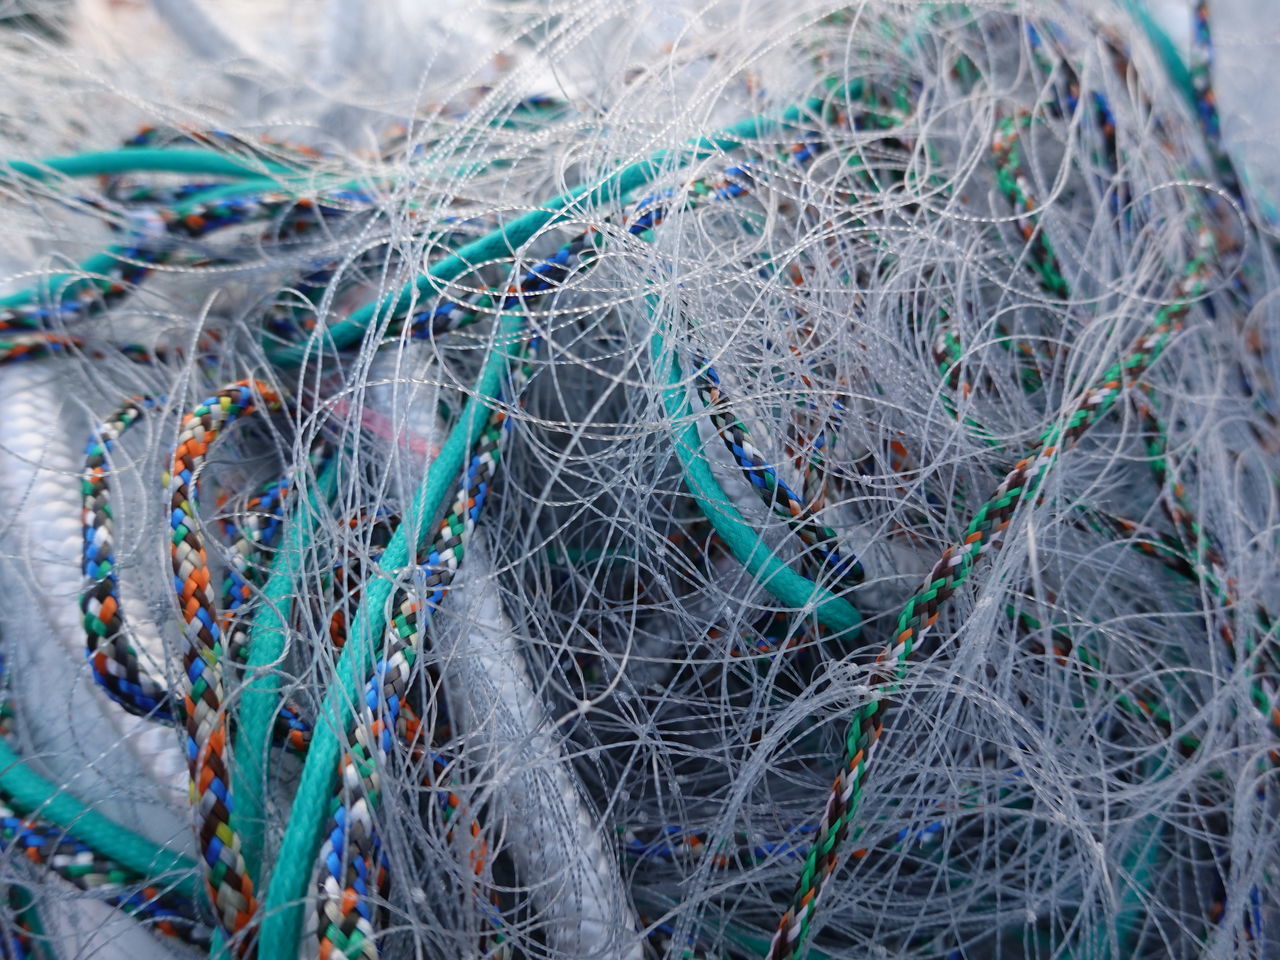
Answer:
(921, 611)
(29, 793)
(260, 696)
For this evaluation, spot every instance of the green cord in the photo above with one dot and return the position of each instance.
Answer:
(1169, 55)
(31, 793)
(286, 893)
(28, 791)
(259, 700)
(746, 544)
(145, 159)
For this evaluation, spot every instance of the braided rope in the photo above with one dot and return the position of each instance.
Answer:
(1144, 704)
(261, 522)
(1208, 568)
(640, 219)
(130, 264)
(112, 657)
(344, 896)
(230, 888)
(50, 846)
(352, 872)
(1206, 98)
(257, 146)
(1010, 178)
(349, 572)
(1208, 565)
(1199, 557)
(1065, 102)
(77, 863)
(83, 298)
(798, 512)
(22, 927)
(257, 528)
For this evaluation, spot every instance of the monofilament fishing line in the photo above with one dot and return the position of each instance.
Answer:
(558, 481)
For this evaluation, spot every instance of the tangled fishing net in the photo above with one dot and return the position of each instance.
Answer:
(592, 480)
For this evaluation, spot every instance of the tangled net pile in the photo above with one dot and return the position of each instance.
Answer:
(803, 488)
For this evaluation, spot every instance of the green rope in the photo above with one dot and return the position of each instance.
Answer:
(144, 160)
(286, 891)
(26, 910)
(259, 699)
(31, 793)
(1169, 55)
(505, 239)
(744, 542)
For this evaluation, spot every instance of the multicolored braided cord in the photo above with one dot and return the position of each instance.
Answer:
(127, 265)
(1206, 98)
(352, 871)
(1209, 569)
(52, 847)
(112, 658)
(921, 611)
(1007, 147)
(256, 528)
(229, 886)
(346, 913)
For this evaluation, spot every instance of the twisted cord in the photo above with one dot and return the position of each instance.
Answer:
(983, 534)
